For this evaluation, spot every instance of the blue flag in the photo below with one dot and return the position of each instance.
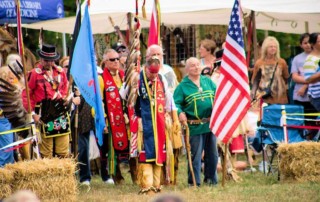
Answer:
(84, 72)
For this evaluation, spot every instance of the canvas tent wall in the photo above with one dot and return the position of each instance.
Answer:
(290, 16)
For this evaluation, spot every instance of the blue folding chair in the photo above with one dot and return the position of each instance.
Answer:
(271, 133)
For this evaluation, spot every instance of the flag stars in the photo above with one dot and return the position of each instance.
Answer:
(236, 33)
(233, 20)
(235, 26)
(231, 33)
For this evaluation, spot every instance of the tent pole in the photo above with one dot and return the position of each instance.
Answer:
(306, 26)
(64, 44)
(254, 34)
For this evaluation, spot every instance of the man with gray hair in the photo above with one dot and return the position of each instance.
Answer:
(165, 70)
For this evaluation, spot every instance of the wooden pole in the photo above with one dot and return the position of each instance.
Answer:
(224, 166)
(254, 33)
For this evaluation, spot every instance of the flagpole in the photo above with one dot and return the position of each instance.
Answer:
(254, 33)
(74, 133)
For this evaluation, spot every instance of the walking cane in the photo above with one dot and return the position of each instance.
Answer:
(187, 140)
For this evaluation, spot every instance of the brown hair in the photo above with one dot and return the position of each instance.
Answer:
(209, 45)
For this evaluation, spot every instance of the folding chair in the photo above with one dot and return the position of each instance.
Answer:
(271, 131)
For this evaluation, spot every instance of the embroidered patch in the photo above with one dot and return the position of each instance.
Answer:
(110, 88)
(160, 108)
(38, 70)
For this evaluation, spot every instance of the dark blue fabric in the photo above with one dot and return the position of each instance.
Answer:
(5, 157)
(83, 156)
(148, 133)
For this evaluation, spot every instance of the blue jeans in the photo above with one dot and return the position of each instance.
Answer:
(206, 142)
(5, 157)
(83, 157)
(315, 102)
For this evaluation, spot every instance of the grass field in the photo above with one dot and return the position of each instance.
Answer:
(254, 187)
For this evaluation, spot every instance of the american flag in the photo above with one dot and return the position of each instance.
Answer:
(232, 99)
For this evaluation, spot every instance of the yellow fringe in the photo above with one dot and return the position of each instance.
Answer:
(140, 135)
(169, 149)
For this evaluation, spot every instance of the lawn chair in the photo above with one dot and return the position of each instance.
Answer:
(271, 131)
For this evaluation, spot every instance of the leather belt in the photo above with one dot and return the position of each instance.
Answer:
(199, 121)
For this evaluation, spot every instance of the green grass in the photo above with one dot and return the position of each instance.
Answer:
(254, 187)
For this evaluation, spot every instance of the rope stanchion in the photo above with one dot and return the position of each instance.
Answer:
(284, 124)
(14, 130)
(304, 127)
(300, 119)
(303, 114)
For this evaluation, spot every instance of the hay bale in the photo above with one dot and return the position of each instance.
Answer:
(51, 179)
(6, 178)
(300, 161)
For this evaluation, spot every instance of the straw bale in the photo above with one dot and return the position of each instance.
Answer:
(55, 187)
(300, 161)
(6, 178)
(51, 179)
(47, 167)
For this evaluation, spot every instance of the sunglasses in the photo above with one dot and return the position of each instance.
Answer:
(113, 59)
(122, 51)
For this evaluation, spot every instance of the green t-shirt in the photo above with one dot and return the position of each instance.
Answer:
(195, 102)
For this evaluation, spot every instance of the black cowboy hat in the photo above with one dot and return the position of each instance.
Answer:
(48, 52)
(119, 47)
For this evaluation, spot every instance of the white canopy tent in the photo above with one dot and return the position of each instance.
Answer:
(290, 16)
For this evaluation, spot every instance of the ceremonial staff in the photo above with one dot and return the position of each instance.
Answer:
(21, 53)
(187, 140)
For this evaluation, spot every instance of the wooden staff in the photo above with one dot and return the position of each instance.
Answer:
(118, 31)
(224, 166)
(187, 140)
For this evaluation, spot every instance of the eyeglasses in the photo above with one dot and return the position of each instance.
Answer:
(113, 59)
